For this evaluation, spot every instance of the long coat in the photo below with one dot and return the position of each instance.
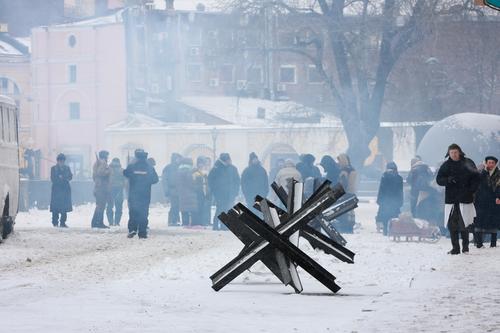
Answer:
(390, 196)
(461, 180)
(141, 176)
(488, 212)
(60, 198)
(186, 190)
(224, 182)
(254, 181)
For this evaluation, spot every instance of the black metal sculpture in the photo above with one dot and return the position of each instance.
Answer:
(274, 239)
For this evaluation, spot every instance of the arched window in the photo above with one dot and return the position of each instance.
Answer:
(10, 88)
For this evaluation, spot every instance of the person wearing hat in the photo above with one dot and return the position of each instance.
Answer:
(224, 184)
(60, 197)
(117, 186)
(459, 175)
(390, 196)
(141, 176)
(169, 184)
(419, 178)
(101, 174)
(487, 202)
(254, 181)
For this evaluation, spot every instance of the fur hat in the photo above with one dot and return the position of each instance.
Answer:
(140, 154)
(103, 154)
(454, 146)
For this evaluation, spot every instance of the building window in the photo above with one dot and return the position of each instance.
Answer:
(254, 75)
(74, 110)
(287, 74)
(313, 75)
(227, 73)
(72, 41)
(72, 73)
(194, 72)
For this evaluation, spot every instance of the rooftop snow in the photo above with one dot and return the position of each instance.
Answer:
(102, 20)
(8, 49)
(243, 111)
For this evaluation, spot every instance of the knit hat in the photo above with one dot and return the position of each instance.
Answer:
(225, 157)
(491, 158)
(391, 166)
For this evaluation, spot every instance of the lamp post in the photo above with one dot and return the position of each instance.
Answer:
(214, 134)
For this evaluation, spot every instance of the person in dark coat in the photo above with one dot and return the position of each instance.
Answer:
(390, 196)
(141, 176)
(307, 168)
(331, 168)
(419, 179)
(168, 181)
(203, 197)
(101, 175)
(254, 180)
(459, 176)
(115, 200)
(60, 197)
(224, 184)
(188, 201)
(487, 208)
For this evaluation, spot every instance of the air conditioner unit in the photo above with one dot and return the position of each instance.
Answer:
(194, 51)
(281, 87)
(241, 85)
(213, 82)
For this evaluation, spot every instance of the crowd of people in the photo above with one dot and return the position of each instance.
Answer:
(471, 193)
(190, 188)
(471, 197)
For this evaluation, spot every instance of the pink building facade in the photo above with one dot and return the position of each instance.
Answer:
(79, 88)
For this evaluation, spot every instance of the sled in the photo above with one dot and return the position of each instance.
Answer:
(413, 229)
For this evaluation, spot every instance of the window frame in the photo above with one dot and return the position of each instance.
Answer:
(294, 67)
(70, 109)
(71, 78)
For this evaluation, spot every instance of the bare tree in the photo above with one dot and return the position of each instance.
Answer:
(361, 71)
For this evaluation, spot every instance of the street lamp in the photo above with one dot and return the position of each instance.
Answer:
(214, 134)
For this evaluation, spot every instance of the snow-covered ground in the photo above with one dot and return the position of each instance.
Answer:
(83, 280)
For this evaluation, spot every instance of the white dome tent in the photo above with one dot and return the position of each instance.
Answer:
(478, 135)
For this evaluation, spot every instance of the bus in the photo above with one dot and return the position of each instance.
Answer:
(9, 165)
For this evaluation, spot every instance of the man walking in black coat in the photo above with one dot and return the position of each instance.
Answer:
(461, 179)
(60, 198)
(307, 168)
(141, 176)
(487, 203)
(169, 184)
(224, 183)
(390, 196)
(331, 168)
(254, 180)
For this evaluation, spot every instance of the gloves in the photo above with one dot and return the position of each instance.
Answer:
(452, 180)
